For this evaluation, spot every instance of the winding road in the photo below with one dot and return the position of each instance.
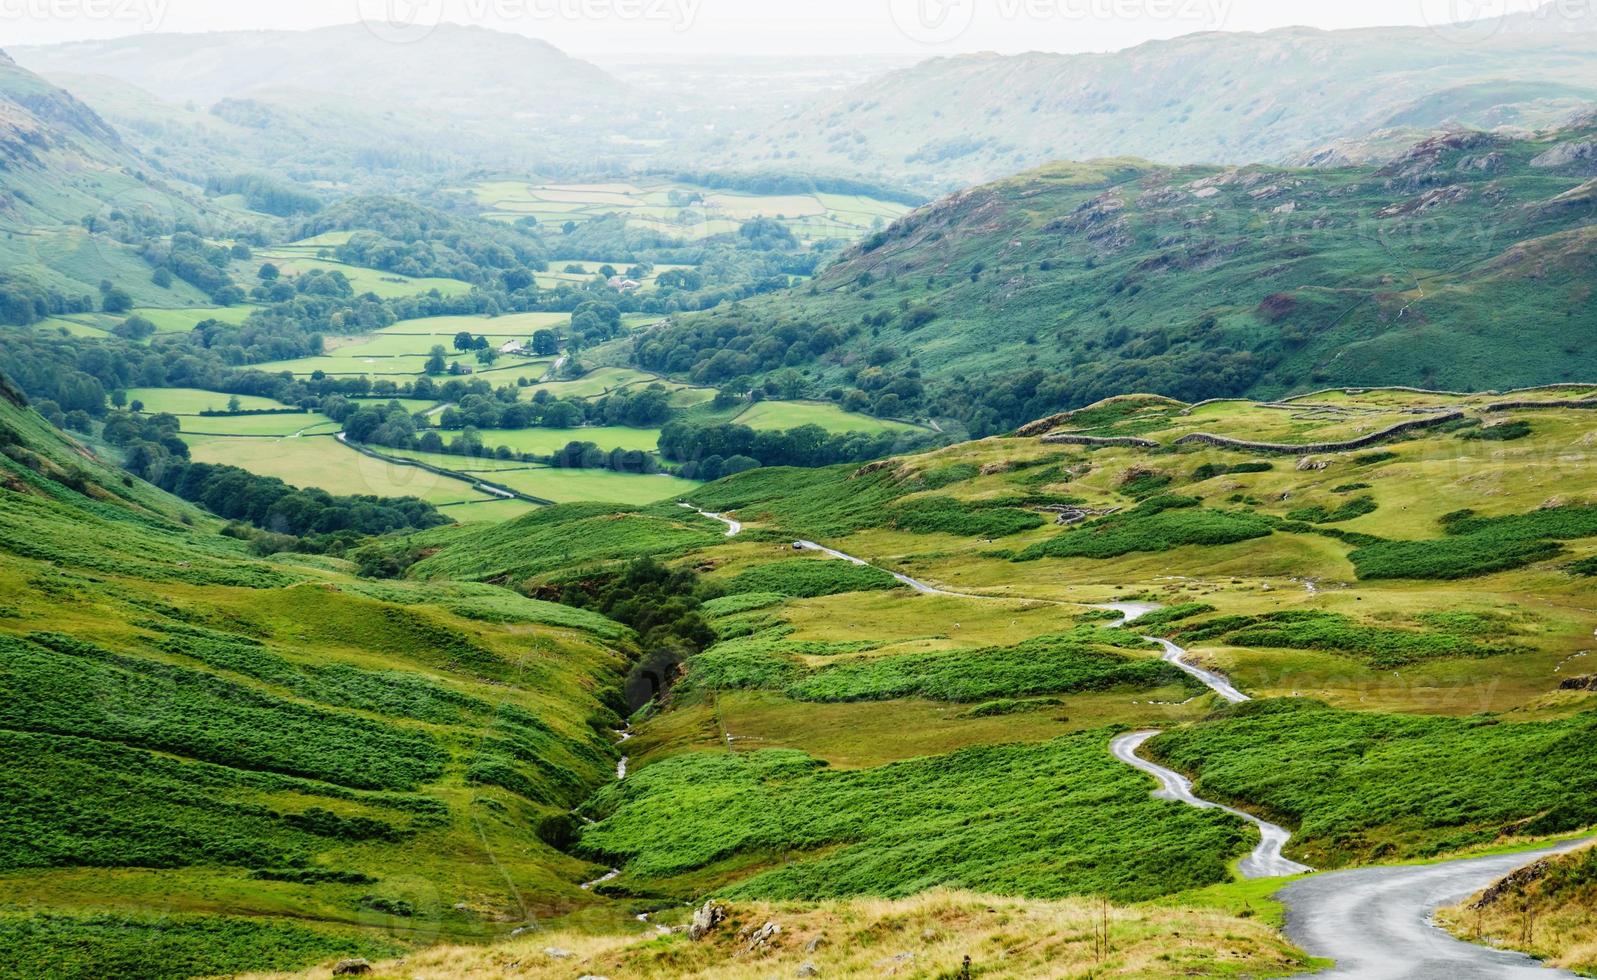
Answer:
(735, 527)
(1376, 922)
(1266, 861)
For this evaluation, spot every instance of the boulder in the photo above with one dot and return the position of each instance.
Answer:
(705, 919)
(351, 968)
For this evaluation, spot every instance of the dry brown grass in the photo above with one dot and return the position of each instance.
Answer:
(1548, 911)
(926, 936)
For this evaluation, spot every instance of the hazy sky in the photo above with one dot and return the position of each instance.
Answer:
(696, 27)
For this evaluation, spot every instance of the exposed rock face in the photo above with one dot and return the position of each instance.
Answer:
(759, 939)
(1586, 682)
(1515, 881)
(705, 919)
(1566, 154)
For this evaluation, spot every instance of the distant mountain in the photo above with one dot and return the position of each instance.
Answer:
(1204, 98)
(451, 63)
(337, 103)
(1466, 263)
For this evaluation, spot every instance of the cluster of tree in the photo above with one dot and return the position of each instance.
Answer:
(411, 239)
(23, 301)
(708, 451)
(268, 195)
(636, 407)
(787, 182)
(156, 453)
(660, 603)
(198, 263)
(588, 456)
(593, 323)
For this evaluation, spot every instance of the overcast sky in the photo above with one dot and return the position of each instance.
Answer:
(697, 27)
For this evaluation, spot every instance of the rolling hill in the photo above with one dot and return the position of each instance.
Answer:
(341, 103)
(1203, 98)
(63, 172)
(218, 762)
(1466, 263)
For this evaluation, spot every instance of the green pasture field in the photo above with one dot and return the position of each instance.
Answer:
(322, 461)
(184, 320)
(791, 415)
(545, 441)
(192, 401)
(303, 426)
(648, 205)
(388, 285)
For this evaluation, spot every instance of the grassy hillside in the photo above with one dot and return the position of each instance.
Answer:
(60, 163)
(428, 761)
(1464, 264)
(1210, 97)
(216, 762)
(853, 739)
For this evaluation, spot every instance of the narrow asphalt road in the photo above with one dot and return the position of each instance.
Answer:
(915, 584)
(1376, 922)
(1266, 860)
(1131, 611)
(733, 528)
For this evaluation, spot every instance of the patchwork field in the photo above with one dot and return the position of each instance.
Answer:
(301, 257)
(684, 211)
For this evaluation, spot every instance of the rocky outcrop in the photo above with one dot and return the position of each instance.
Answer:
(705, 920)
(1568, 154)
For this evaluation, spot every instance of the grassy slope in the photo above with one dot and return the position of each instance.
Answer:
(1398, 661)
(267, 762)
(1461, 265)
(934, 933)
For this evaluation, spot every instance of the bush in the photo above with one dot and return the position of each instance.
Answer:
(1477, 545)
(807, 578)
(948, 515)
(1160, 524)
(1504, 432)
(1317, 514)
